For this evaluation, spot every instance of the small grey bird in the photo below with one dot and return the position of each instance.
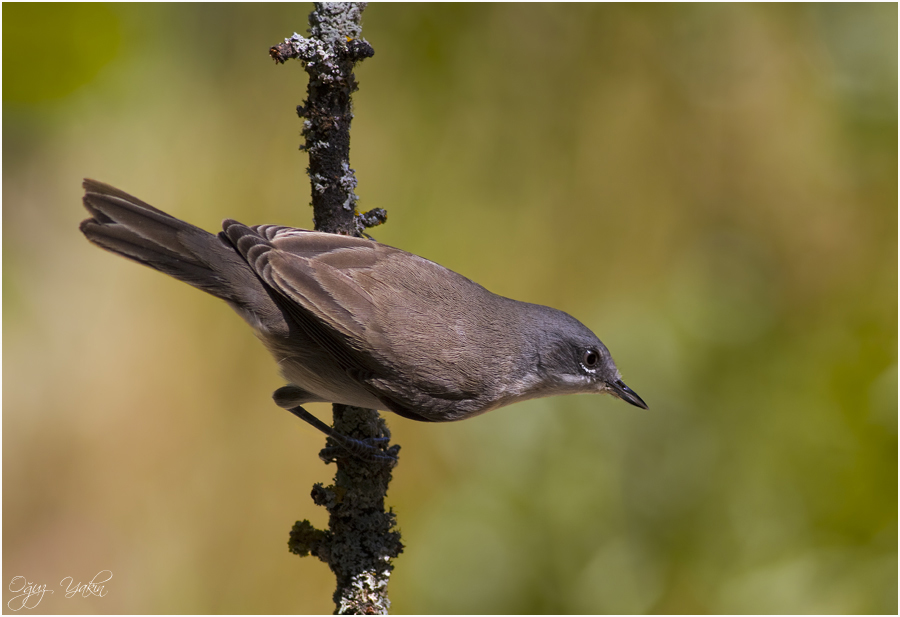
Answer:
(360, 323)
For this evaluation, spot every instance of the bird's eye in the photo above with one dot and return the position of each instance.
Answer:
(590, 359)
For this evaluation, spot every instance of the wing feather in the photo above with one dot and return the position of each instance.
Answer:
(343, 291)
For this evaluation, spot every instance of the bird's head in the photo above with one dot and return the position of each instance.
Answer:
(571, 359)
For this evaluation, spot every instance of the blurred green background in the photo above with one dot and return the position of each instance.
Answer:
(711, 188)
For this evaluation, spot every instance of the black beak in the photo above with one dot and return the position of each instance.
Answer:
(627, 394)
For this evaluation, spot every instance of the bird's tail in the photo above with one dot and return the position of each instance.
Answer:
(129, 227)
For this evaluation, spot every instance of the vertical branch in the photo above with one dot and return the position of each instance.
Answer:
(360, 541)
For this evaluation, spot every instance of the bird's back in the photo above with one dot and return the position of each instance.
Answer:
(421, 320)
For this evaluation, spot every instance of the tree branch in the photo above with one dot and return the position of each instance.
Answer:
(329, 55)
(360, 541)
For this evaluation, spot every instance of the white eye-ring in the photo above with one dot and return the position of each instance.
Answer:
(590, 360)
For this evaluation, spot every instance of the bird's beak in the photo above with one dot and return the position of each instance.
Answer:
(625, 393)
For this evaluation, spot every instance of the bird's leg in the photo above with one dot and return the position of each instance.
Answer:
(292, 397)
(362, 448)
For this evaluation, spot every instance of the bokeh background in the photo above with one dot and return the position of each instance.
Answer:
(711, 188)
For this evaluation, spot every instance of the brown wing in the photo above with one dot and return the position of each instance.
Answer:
(294, 276)
(382, 312)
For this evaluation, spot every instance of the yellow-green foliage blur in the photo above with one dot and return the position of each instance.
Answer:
(711, 188)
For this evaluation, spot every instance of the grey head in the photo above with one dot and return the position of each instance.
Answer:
(571, 359)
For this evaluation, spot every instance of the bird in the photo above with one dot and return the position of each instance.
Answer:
(352, 321)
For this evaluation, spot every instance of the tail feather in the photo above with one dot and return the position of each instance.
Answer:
(131, 228)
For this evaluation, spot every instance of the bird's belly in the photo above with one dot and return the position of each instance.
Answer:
(327, 381)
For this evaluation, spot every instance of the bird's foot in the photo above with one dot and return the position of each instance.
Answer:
(370, 449)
